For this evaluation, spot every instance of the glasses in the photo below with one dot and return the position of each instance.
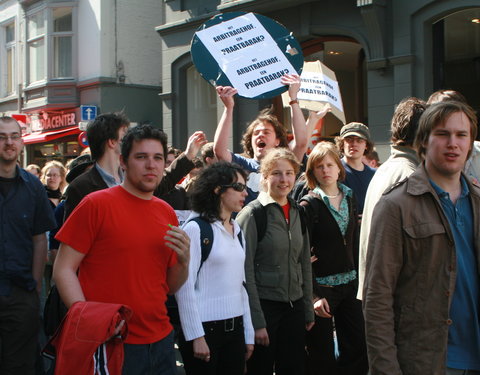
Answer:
(13, 137)
(52, 175)
(237, 186)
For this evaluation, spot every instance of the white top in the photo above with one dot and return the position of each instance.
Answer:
(217, 293)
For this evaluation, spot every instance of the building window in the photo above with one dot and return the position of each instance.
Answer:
(36, 47)
(62, 42)
(9, 87)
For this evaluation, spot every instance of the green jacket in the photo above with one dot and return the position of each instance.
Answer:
(278, 267)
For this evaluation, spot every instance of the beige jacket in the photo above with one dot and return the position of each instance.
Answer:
(410, 279)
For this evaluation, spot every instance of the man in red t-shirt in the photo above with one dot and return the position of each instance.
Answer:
(127, 249)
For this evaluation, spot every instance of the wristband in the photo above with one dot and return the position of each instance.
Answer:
(294, 101)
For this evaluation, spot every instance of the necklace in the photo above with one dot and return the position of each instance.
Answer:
(333, 196)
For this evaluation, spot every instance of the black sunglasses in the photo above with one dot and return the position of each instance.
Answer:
(237, 186)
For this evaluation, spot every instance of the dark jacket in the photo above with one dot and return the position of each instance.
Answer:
(92, 181)
(278, 267)
(410, 278)
(335, 253)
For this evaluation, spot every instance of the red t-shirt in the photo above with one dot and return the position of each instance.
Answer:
(126, 259)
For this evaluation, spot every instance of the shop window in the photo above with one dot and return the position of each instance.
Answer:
(36, 47)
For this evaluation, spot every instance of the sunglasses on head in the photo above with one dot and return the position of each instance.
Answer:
(237, 186)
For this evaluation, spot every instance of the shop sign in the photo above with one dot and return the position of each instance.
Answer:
(49, 121)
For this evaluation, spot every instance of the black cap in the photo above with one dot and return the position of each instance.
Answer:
(78, 166)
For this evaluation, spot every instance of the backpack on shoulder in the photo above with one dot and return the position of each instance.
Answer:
(206, 243)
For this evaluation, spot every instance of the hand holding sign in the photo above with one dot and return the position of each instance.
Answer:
(226, 94)
(293, 82)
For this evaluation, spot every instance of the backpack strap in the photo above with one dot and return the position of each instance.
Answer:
(260, 216)
(206, 238)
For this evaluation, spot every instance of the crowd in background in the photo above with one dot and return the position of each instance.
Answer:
(290, 243)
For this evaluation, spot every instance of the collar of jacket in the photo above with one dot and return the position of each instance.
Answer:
(265, 199)
(418, 183)
(404, 152)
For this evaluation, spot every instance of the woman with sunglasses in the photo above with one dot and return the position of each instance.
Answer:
(213, 304)
(333, 227)
(278, 270)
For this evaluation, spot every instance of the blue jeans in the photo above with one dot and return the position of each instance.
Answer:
(150, 359)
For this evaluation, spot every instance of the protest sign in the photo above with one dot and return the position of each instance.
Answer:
(248, 51)
(319, 89)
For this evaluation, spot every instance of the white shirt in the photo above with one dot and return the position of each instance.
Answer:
(217, 291)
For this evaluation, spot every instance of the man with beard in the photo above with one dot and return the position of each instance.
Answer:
(127, 249)
(25, 216)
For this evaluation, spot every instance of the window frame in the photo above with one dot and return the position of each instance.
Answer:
(5, 48)
(49, 36)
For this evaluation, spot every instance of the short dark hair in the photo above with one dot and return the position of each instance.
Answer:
(265, 116)
(405, 119)
(102, 129)
(207, 152)
(437, 114)
(203, 197)
(11, 119)
(139, 133)
(174, 151)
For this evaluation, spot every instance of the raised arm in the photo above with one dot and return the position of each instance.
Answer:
(299, 129)
(224, 127)
(315, 117)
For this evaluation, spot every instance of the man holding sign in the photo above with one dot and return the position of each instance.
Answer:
(263, 134)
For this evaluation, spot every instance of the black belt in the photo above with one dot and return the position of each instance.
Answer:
(228, 325)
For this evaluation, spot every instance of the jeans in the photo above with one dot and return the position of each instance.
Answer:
(226, 342)
(150, 359)
(286, 332)
(19, 325)
(349, 326)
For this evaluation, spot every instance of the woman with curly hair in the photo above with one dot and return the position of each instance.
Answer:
(213, 304)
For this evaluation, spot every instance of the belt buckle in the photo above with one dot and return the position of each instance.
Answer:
(229, 325)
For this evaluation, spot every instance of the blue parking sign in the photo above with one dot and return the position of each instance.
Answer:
(88, 112)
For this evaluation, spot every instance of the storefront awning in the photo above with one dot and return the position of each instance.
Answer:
(51, 135)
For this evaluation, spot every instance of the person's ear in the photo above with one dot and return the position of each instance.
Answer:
(217, 190)
(123, 162)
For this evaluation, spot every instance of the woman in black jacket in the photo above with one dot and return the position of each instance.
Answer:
(333, 228)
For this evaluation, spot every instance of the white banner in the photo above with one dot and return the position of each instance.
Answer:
(318, 87)
(247, 54)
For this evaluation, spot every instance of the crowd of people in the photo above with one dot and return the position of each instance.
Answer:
(269, 261)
